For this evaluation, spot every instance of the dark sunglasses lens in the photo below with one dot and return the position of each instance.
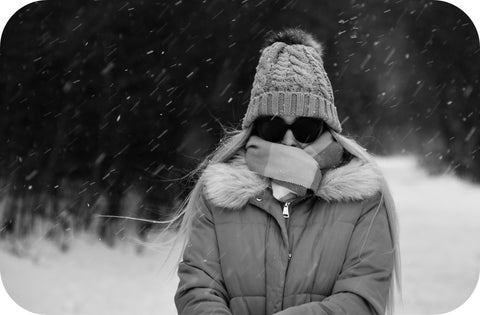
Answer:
(270, 128)
(307, 129)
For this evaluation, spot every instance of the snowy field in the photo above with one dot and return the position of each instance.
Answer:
(440, 226)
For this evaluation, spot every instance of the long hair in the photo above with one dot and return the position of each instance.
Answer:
(395, 285)
(234, 141)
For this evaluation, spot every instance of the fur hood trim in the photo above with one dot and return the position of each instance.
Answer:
(232, 184)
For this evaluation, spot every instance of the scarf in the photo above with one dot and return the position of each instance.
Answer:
(293, 171)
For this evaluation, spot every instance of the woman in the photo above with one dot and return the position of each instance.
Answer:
(288, 216)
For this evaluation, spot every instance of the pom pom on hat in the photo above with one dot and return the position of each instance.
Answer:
(293, 36)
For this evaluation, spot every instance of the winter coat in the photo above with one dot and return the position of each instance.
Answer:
(332, 255)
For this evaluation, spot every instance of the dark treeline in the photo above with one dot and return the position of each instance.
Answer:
(106, 105)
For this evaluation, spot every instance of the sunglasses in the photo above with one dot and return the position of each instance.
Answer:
(273, 128)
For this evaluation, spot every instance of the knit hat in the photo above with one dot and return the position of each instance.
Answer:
(290, 80)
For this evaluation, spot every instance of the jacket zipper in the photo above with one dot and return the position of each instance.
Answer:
(286, 209)
(286, 215)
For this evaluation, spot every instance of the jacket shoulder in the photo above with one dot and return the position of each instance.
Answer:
(371, 203)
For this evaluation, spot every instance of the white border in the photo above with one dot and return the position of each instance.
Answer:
(8, 9)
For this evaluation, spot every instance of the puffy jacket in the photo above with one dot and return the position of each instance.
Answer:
(332, 255)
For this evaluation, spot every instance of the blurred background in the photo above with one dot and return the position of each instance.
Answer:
(106, 106)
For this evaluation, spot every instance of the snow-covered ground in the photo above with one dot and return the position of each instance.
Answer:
(440, 226)
(439, 232)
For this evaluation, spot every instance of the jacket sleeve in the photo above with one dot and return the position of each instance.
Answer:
(201, 289)
(362, 287)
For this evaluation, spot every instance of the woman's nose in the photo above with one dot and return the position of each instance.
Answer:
(289, 139)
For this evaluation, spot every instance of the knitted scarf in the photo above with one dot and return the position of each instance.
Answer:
(296, 170)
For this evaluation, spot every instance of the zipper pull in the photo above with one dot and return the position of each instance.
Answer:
(286, 207)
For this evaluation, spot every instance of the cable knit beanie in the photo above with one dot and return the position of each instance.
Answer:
(290, 80)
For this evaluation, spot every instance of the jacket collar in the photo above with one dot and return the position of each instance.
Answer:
(231, 185)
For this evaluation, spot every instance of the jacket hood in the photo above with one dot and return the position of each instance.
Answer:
(232, 184)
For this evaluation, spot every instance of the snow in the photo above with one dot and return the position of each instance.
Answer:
(90, 278)
(439, 228)
(439, 225)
